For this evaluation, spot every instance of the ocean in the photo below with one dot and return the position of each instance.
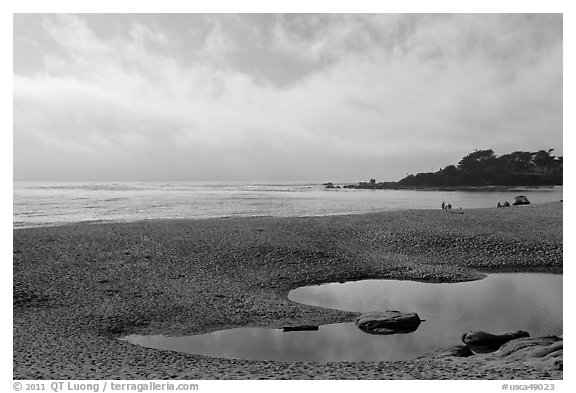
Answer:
(58, 203)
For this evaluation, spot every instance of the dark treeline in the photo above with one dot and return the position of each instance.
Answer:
(484, 168)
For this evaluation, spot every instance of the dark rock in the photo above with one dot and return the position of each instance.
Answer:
(483, 342)
(300, 328)
(329, 185)
(367, 185)
(520, 200)
(461, 351)
(388, 322)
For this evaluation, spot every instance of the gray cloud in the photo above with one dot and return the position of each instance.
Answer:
(263, 97)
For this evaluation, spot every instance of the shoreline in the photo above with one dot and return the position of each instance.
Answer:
(20, 221)
(225, 217)
(487, 188)
(79, 287)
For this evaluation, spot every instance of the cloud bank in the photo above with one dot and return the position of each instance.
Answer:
(279, 97)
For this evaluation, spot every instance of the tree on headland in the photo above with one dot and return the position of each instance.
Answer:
(543, 158)
(516, 162)
(478, 161)
(484, 168)
(478, 166)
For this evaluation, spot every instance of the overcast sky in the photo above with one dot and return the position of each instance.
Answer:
(279, 97)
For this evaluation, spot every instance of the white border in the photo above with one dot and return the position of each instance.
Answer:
(230, 6)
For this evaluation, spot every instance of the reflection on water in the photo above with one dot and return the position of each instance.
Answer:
(335, 342)
(507, 301)
(500, 302)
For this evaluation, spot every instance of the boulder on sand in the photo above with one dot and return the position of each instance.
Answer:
(459, 351)
(536, 351)
(521, 200)
(483, 342)
(388, 322)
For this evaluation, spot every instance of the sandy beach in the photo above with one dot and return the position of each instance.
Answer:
(79, 288)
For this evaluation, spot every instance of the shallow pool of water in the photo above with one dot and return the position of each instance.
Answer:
(498, 303)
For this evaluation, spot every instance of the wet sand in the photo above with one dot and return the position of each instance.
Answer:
(78, 288)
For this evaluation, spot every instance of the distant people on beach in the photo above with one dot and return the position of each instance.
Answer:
(446, 206)
(499, 204)
(443, 205)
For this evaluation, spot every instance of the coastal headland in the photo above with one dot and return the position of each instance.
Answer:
(478, 170)
(78, 288)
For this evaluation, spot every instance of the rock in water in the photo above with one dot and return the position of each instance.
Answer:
(483, 342)
(300, 328)
(388, 322)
